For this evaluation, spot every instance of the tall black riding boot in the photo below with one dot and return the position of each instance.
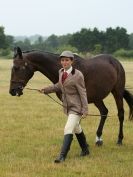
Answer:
(83, 144)
(65, 148)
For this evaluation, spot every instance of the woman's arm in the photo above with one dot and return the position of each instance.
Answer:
(51, 89)
(80, 84)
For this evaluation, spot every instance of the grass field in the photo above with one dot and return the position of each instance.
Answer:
(31, 133)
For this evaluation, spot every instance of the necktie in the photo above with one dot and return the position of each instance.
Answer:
(64, 76)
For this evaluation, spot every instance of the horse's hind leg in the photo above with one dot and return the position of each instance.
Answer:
(119, 103)
(103, 111)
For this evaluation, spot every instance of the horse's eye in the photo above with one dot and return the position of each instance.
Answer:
(15, 67)
(23, 67)
(26, 64)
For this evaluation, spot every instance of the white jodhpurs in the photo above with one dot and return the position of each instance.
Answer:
(73, 125)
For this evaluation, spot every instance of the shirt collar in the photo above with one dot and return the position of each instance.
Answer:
(69, 70)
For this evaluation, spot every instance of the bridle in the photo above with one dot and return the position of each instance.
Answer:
(22, 81)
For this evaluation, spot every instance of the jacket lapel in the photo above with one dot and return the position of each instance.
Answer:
(68, 78)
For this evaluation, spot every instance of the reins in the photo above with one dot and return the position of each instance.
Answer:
(34, 89)
(46, 94)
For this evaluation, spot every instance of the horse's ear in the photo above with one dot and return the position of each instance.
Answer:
(18, 52)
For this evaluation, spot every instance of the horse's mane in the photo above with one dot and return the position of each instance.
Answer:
(45, 52)
(77, 57)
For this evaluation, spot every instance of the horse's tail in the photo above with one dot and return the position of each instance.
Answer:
(129, 99)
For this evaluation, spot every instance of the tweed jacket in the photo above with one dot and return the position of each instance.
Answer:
(73, 90)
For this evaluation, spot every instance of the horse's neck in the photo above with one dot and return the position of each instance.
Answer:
(48, 67)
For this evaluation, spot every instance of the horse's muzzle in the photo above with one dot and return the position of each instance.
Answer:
(16, 91)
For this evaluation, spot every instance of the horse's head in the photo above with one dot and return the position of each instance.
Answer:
(21, 72)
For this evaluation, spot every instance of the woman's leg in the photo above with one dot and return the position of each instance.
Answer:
(81, 139)
(72, 122)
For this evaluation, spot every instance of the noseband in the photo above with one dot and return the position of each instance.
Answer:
(20, 81)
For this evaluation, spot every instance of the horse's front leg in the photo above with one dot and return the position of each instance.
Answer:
(103, 111)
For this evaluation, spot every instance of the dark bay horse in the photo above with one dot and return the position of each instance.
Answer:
(103, 74)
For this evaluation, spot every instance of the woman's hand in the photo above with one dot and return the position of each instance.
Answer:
(84, 115)
(42, 91)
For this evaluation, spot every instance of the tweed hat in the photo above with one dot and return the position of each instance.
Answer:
(67, 54)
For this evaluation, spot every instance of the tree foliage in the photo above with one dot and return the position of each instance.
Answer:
(131, 41)
(84, 41)
(116, 39)
(110, 41)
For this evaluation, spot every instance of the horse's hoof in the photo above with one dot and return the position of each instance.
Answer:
(119, 142)
(99, 143)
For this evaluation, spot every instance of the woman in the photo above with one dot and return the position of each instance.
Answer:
(74, 98)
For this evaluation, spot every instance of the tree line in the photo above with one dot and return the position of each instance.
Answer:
(93, 41)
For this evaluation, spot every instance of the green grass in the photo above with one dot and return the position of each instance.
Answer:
(31, 133)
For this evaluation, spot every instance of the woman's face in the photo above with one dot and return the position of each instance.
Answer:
(66, 62)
